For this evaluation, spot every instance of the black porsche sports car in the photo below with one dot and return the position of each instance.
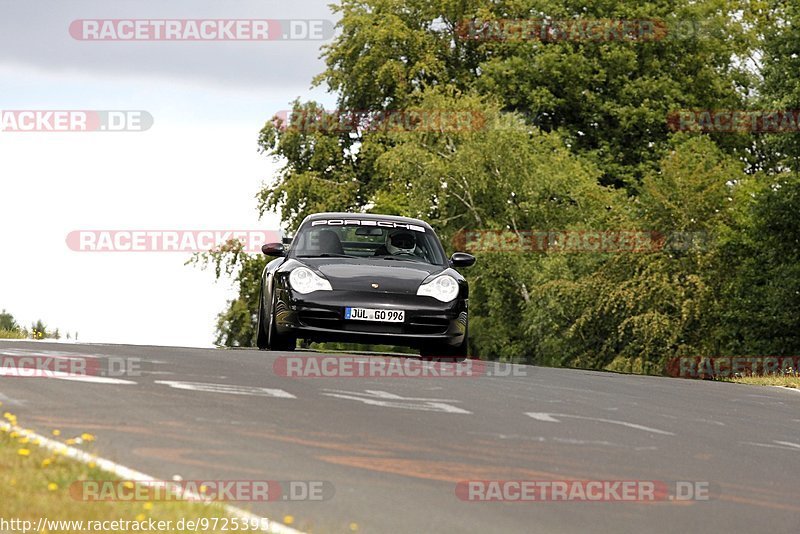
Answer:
(364, 279)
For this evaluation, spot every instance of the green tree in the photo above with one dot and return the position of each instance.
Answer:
(7, 322)
(9, 328)
(636, 310)
(760, 272)
(609, 98)
(39, 330)
(236, 325)
(780, 90)
(561, 122)
(507, 177)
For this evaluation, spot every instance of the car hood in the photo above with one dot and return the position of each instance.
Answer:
(392, 276)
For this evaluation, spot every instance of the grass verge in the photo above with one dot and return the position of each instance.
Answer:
(12, 334)
(35, 483)
(787, 380)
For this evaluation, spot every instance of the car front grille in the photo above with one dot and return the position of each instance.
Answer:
(427, 325)
(321, 318)
(419, 325)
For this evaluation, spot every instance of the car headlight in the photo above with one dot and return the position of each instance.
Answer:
(303, 280)
(444, 288)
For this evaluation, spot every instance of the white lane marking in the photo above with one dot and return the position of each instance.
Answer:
(390, 400)
(786, 388)
(10, 369)
(227, 388)
(787, 443)
(50, 353)
(784, 445)
(568, 441)
(571, 441)
(8, 401)
(541, 416)
(92, 379)
(696, 420)
(60, 375)
(551, 418)
(126, 473)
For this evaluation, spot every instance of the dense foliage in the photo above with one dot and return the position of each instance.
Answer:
(9, 329)
(573, 136)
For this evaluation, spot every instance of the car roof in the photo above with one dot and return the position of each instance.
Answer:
(366, 217)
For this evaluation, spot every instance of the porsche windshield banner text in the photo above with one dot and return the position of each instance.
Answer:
(377, 223)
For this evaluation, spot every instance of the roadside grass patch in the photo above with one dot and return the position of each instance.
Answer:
(12, 334)
(785, 380)
(35, 483)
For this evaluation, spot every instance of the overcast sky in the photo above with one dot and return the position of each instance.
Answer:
(197, 167)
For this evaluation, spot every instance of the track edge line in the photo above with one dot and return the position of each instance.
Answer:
(124, 472)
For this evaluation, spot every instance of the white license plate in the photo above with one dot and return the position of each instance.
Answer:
(367, 314)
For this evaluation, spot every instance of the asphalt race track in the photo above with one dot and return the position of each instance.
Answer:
(395, 449)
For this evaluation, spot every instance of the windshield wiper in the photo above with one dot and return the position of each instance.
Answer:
(397, 258)
(326, 255)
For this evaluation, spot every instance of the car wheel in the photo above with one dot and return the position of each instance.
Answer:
(261, 334)
(445, 352)
(276, 341)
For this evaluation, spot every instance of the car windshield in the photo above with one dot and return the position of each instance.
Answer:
(400, 242)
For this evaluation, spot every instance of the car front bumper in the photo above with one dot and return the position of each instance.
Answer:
(319, 316)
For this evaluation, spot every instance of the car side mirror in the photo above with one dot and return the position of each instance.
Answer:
(273, 249)
(462, 259)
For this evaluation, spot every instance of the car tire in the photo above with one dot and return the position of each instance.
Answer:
(261, 334)
(445, 352)
(276, 341)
